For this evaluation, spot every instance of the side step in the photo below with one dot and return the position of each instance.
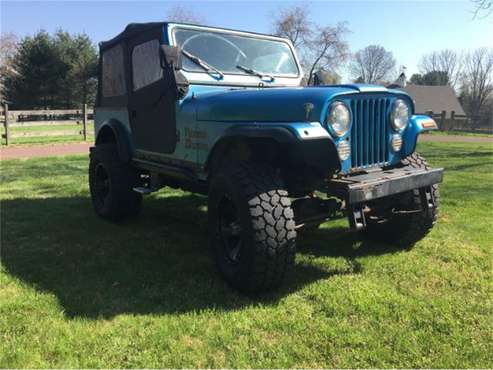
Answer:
(144, 190)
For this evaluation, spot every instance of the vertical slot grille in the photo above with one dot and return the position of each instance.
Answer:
(369, 132)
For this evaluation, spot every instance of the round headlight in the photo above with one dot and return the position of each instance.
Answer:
(339, 118)
(400, 115)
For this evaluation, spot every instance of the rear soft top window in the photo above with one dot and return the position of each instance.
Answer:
(113, 72)
(146, 66)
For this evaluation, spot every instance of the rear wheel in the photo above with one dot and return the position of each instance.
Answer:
(251, 227)
(111, 184)
(405, 218)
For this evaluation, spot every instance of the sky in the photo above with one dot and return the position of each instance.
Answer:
(408, 29)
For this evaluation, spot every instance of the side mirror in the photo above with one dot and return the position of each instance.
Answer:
(322, 77)
(319, 78)
(170, 57)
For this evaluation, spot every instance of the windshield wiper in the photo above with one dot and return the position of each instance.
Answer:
(254, 72)
(207, 67)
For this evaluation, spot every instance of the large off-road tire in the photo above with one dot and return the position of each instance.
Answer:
(405, 229)
(251, 227)
(111, 182)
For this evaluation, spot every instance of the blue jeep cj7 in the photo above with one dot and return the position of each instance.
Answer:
(223, 113)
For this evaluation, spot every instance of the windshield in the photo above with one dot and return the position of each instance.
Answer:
(236, 54)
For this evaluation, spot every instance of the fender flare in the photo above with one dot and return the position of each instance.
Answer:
(280, 134)
(277, 133)
(121, 136)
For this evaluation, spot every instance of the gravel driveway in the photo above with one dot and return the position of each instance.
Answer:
(47, 150)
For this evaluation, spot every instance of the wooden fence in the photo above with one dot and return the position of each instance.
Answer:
(24, 118)
(458, 122)
(52, 117)
(445, 123)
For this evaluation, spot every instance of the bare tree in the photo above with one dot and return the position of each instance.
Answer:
(183, 14)
(478, 79)
(8, 50)
(293, 23)
(482, 8)
(372, 64)
(327, 49)
(318, 47)
(447, 61)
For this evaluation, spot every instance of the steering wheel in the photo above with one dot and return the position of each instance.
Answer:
(240, 52)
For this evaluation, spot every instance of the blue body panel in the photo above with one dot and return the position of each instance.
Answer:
(206, 112)
(417, 124)
(219, 108)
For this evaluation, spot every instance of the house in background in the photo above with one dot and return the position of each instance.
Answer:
(440, 101)
(434, 99)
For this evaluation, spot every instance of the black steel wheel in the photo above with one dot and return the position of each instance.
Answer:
(102, 185)
(230, 230)
(111, 183)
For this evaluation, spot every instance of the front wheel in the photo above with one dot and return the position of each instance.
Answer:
(405, 218)
(251, 227)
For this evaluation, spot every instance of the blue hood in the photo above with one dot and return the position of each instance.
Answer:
(271, 104)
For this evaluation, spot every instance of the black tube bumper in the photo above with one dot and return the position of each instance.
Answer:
(368, 186)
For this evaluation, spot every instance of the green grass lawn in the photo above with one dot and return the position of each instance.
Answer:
(76, 291)
(45, 134)
(458, 133)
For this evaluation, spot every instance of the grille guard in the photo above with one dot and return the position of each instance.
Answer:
(380, 183)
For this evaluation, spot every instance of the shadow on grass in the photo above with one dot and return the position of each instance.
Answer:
(158, 263)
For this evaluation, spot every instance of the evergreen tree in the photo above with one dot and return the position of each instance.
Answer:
(53, 72)
(433, 78)
(80, 56)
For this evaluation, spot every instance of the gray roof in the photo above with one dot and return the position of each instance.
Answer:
(434, 98)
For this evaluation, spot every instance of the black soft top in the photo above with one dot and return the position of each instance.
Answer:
(136, 28)
(131, 30)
